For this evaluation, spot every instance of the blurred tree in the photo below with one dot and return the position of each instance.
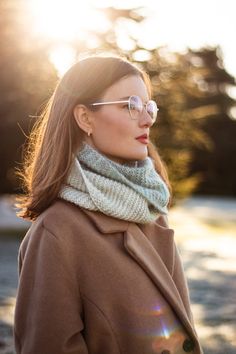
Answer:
(195, 134)
(216, 163)
(27, 78)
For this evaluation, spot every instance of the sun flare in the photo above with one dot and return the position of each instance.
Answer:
(64, 22)
(66, 19)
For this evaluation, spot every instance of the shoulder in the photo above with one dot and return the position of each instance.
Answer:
(60, 211)
(61, 217)
(62, 221)
(53, 242)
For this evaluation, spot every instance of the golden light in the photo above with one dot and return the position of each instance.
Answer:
(62, 57)
(64, 22)
(66, 19)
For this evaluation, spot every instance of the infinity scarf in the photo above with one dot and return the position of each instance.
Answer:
(132, 191)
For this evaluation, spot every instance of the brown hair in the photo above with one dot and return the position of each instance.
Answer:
(56, 137)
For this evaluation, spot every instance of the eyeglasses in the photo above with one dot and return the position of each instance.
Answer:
(135, 106)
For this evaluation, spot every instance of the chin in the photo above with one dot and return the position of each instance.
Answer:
(141, 155)
(135, 155)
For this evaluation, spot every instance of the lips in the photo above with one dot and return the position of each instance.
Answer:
(144, 136)
(143, 139)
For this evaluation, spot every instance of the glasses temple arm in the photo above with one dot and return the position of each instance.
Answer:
(105, 103)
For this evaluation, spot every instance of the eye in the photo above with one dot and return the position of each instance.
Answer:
(136, 104)
(133, 106)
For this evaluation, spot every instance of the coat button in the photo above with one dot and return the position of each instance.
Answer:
(188, 345)
(165, 352)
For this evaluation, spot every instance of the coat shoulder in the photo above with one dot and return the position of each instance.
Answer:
(62, 215)
(60, 219)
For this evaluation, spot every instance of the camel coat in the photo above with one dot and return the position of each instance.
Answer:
(93, 284)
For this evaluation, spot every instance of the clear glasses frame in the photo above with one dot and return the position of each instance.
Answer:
(135, 106)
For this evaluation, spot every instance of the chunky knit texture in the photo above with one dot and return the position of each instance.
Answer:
(132, 191)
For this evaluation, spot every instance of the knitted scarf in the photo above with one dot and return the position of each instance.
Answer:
(132, 191)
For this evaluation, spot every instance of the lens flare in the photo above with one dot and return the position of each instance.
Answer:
(158, 326)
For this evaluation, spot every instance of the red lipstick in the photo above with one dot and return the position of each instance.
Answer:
(143, 139)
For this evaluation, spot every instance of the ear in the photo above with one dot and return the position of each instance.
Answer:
(82, 117)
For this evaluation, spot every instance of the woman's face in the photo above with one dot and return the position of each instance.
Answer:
(113, 132)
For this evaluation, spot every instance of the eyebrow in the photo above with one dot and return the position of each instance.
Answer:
(124, 98)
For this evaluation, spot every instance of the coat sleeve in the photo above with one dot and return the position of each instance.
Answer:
(48, 313)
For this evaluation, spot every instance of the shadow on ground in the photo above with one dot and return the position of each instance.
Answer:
(6, 338)
(212, 294)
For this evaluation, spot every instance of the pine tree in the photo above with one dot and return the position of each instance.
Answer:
(217, 164)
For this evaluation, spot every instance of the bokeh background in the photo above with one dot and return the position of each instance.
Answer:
(188, 49)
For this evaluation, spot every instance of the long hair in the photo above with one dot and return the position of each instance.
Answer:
(55, 137)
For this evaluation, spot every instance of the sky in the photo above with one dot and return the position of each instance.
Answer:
(177, 24)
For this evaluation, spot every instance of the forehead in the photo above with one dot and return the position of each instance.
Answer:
(127, 86)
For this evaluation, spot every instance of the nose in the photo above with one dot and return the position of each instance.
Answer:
(145, 119)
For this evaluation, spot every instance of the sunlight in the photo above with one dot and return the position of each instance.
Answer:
(74, 21)
(7, 310)
(66, 19)
(62, 57)
(232, 112)
(65, 22)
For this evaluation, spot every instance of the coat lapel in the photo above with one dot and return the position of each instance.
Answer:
(142, 243)
(140, 248)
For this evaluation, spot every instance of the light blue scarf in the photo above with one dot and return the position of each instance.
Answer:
(132, 191)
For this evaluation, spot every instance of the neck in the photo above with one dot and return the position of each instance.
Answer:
(116, 159)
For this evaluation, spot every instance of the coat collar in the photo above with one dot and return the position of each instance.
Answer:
(108, 224)
(142, 242)
(151, 261)
(105, 223)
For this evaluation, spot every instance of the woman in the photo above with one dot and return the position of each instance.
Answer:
(99, 269)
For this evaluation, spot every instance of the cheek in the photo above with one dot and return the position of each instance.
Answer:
(112, 127)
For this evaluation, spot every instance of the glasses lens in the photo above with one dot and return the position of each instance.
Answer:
(152, 109)
(135, 106)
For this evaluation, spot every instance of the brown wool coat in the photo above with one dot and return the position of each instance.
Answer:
(90, 283)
